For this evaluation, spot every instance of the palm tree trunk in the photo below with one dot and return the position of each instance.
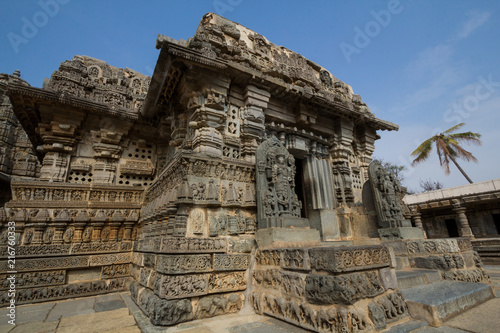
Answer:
(461, 170)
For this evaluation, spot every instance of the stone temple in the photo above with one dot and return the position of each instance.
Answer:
(238, 175)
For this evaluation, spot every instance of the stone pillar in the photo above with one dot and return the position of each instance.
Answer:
(416, 218)
(463, 224)
(319, 187)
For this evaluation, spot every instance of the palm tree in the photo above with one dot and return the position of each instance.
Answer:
(448, 148)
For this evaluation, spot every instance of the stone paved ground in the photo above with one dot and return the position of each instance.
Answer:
(107, 313)
(117, 313)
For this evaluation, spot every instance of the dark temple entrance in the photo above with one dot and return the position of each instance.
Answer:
(452, 228)
(299, 185)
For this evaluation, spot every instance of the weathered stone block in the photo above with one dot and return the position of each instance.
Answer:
(216, 305)
(278, 236)
(388, 278)
(401, 233)
(149, 260)
(444, 262)
(171, 312)
(377, 315)
(87, 274)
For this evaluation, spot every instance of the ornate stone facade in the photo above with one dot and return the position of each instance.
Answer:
(165, 186)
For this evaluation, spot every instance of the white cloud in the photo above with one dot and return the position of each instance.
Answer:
(476, 19)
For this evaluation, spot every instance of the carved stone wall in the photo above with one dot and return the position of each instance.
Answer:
(348, 289)
(17, 156)
(153, 180)
(70, 242)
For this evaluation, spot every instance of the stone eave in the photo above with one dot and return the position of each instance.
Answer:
(172, 51)
(26, 102)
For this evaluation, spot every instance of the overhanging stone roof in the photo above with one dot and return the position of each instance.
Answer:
(244, 55)
(476, 192)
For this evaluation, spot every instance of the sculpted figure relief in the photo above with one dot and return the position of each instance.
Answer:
(276, 181)
(385, 188)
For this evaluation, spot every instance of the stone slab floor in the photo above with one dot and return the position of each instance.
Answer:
(117, 313)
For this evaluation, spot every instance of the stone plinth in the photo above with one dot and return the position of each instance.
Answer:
(278, 237)
(401, 233)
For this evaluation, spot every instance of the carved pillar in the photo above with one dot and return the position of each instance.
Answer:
(113, 235)
(252, 126)
(463, 224)
(59, 141)
(39, 223)
(79, 226)
(97, 224)
(366, 137)
(58, 232)
(342, 148)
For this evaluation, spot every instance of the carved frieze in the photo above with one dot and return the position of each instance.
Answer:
(336, 260)
(182, 264)
(115, 270)
(182, 286)
(108, 259)
(37, 250)
(295, 259)
(268, 257)
(47, 263)
(215, 305)
(229, 262)
(192, 245)
(44, 294)
(317, 319)
(34, 279)
(342, 289)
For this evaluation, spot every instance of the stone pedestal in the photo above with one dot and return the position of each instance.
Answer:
(287, 237)
(401, 233)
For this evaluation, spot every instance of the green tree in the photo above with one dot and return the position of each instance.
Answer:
(448, 148)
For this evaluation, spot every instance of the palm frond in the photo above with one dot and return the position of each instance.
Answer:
(422, 152)
(454, 128)
(468, 137)
(462, 153)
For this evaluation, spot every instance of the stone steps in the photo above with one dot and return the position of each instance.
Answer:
(416, 277)
(442, 300)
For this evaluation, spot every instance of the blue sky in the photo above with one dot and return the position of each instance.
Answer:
(425, 65)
